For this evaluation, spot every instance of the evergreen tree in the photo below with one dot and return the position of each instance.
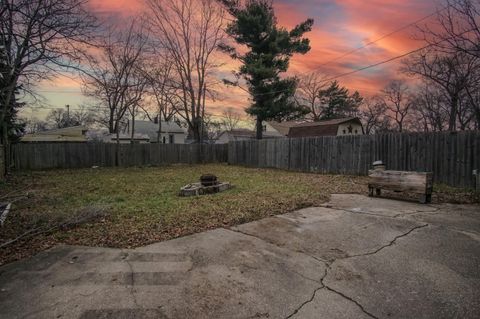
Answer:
(270, 48)
(338, 102)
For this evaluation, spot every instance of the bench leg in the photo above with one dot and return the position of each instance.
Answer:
(378, 191)
(425, 198)
(370, 191)
(428, 198)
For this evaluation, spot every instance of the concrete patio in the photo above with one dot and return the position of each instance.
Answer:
(356, 257)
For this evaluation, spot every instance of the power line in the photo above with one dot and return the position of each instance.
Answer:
(376, 64)
(364, 46)
(332, 60)
(383, 37)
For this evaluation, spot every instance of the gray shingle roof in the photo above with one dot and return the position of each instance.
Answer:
(151, 129)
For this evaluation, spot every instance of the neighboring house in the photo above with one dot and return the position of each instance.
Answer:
(235, 135)
(244, 135)
(280, 128)
(171, 133)
(336, 127)
(103, 136)
(67, 134)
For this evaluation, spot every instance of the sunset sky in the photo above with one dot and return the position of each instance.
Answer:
(340, 26)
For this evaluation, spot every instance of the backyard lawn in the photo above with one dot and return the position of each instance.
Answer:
(131, 207)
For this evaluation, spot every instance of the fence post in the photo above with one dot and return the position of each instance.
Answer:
(2, 163)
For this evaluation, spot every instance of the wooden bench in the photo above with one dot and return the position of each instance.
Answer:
(400, 181)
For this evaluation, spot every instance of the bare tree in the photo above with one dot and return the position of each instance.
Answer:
(115, 78)
(34, 125)
(430, 108)
(190, 32)
(452, 60)
(374, 116)
(230, 119)
(83, 115)
(37, 39)
(397, 102)
(163, 91)
(58, 118)
(456, 29)
(453, 73)
(309, 94)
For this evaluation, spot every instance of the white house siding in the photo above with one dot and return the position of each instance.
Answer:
(271, 131)
(179, 138)
(343, 129)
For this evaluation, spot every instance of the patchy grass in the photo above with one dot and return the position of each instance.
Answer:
(137, 206)
(143, 206)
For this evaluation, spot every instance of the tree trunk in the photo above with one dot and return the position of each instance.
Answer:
(117, 149)
(196, 130)
(6, 149)
(452, 123)
(259, 127)
(159, 134)
(111, 122)
(132, 135)
(8, 102)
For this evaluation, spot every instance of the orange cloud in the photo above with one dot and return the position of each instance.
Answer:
(340, 26)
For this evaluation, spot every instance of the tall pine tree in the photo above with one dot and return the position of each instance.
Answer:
(270, 48)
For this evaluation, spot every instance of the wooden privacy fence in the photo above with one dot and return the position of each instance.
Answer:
(450, 156)
(36, 156)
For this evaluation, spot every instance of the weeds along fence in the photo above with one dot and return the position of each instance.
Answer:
(450, 156)
(38, 156)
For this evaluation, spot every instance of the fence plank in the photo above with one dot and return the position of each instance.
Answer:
(38, 156)
(450, 156)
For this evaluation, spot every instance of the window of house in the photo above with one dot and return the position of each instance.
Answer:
(344, 132)
(171, 139)
(356, 131)
(264, 128)
(164, 140)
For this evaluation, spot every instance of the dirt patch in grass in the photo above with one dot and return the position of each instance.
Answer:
(140, 206)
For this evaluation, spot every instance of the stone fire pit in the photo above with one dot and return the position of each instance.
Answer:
(208, 184)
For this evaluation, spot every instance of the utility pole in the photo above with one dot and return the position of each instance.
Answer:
(68, 114)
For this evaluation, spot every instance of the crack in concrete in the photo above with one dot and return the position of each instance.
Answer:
(275, 244)
(391, 243)
(328, 268)
(355, 211)
(436, 211)
(304, 303)
(359, 305)
(132, 279)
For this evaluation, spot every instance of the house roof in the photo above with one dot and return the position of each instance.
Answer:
(146, 127)
(67, 134)
(237, 133)
(242, 133)
(322, 128)
(150, 129)
(283, 127)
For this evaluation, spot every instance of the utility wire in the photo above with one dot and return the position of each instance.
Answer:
(338, 58)
(383, 37)
(364, 46)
